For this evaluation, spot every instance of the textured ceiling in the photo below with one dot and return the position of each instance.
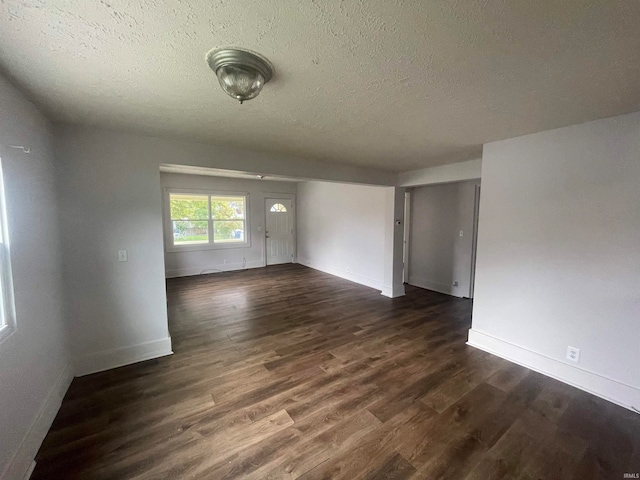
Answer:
(390, 84)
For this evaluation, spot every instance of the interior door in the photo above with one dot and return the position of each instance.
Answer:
(279, 230)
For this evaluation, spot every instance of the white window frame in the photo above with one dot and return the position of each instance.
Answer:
(7, 302)
(168, 225)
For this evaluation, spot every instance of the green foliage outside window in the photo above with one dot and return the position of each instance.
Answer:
(228, 218)
(190, 218)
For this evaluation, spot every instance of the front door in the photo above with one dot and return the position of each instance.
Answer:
(279, 230)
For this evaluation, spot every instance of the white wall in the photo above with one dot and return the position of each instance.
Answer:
(193, 262)
(454, 172)
(341, 230)
(34, 364)
(110, 200)
(559, 254)
(438, 255)
(394, 242)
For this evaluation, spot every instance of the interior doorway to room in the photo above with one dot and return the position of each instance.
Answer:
(279, 230)
(440, 236)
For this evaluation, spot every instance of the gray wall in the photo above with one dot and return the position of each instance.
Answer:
(110, 200)
(34, 363)
(341, 230)
(195, 261)
(559, 254)
(438, 255)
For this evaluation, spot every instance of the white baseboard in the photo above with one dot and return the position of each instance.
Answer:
(32, 467)
(118, 357)
(435, 286)
(22, 463)
(226, 267)
(338, 272)
(392, 292)
(612, 390)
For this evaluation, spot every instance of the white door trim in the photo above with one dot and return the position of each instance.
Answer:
(406, 237)
(474, 246)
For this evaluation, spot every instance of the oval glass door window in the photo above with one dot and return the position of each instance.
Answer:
(278, 207)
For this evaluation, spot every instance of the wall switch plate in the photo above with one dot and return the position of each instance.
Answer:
(461, 233)
(573, 354)
(122, 256)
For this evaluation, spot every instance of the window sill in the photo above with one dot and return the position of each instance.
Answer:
(207, 246)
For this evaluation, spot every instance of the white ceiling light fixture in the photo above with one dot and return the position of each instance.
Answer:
(241, 73)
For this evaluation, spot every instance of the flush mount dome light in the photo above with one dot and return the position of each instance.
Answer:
(241, 73)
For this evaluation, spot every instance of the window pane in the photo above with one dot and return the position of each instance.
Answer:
(190, 233)
(227, 208)
(189, 207)
(278, 208)
(228, 231)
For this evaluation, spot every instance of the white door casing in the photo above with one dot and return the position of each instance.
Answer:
(279, 230)
(406, 237)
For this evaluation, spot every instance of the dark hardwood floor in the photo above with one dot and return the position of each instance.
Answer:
(286, 372)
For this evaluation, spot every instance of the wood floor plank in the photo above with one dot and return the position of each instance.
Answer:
(372, 452)
(235, 441)
(286, 372)
(307, 455)
(396, 467)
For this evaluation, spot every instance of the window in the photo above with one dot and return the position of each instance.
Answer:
(278, 208)
(207, 220)
(7, 308)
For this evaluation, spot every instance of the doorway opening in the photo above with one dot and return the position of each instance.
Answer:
(440, 236)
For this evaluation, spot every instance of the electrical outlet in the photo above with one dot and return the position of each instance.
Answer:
(573, 354)
(455, 284)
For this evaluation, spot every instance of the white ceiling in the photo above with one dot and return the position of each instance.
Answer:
(391, 84)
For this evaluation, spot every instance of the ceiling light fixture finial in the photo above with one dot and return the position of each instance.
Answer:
(241, 73)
